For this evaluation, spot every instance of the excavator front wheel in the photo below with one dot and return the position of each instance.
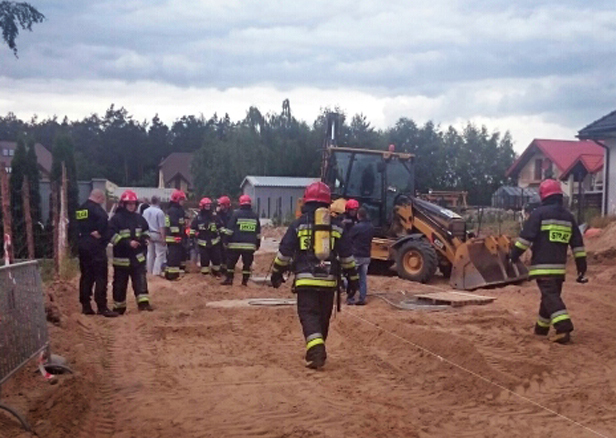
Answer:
(416, 260)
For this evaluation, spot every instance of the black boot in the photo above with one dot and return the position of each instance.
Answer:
(561, 338)
(145, 306)
(86, 309)
(245, 278)
(120, 311)
(316, 356)
(107, 313)
(228, 280)
(541, 331)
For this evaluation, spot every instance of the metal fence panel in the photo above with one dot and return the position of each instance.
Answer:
(23, 325)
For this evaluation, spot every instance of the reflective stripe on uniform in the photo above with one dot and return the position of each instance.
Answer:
(226, 231)
(314, 342)
(522, 243)
(172, 269)
(556, 222)
(347, 262)
(246, 221)
(561, 315)
(281, 259)
(556, 269)
(205, 270)
(140, 258)
(120, 261)
(579, 251)
(243, 246)
(119, 304)
(143, 298)
(315, 282)
(174, 229)
(170, 239)
(543, 322)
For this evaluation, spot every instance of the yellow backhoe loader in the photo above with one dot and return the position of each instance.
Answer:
(413, 236)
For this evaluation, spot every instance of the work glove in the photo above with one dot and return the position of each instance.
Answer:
(276, 279)
(581, 266)
(352, 288)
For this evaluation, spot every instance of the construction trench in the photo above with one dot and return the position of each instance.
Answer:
(190, 369)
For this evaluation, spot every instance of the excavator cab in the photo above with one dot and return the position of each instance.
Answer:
(377, 179)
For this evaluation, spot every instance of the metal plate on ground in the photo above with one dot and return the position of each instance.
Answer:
(253, 302)
(455, 298)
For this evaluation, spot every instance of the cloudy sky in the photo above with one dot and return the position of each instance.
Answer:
(540, 69)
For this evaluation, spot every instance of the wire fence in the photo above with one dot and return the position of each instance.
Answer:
(23, 325)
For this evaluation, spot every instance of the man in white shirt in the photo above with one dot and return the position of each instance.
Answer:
(157, 250)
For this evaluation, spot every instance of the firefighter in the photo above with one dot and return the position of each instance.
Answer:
(129, 237)
(205, 228)
(92, 224)
(350, 214)
(549, 229)
(244, 238)
(174, 234)
(223, 214)
(317, 270)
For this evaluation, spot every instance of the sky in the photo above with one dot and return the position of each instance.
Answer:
(539, 69)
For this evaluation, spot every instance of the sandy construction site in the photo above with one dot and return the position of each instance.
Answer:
(192, 370)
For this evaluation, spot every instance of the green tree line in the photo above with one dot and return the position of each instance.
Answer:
(127, 151)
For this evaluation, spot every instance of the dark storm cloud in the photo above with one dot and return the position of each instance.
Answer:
(492, 58)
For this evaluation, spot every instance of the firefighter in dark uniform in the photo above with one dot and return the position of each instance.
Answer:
(349, 218)
(129, 236)
(223, 213)
(175, 234)
(317, 271)
(244, 238)
(92, 224)
(550, 229)
(205, 228)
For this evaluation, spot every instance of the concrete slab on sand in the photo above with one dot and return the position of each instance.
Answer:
(455, 298)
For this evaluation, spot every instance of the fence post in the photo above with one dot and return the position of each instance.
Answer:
(55, 223)
(63, 222)
(28, 217)
(6, 215)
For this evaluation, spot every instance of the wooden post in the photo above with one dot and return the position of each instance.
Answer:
(25, 191)
(63, 221)
(6, 215)
(55, 224)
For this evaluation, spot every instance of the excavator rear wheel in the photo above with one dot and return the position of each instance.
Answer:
(416, 260)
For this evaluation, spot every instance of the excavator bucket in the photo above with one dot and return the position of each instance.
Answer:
(482, 262)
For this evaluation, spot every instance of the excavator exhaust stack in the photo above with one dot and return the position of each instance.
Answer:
(483, 262)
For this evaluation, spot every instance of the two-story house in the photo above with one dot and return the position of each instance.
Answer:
(566, 160)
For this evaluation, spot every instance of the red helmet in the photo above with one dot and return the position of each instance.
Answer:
(548, 188)
(178, 196)
(351, 204)
(224, 201)
(318, 192)
(205, 203)
(128, 196)
(245, 200)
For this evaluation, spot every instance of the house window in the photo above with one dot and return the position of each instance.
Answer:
(5, 152)
(538, 169)
(11, 152)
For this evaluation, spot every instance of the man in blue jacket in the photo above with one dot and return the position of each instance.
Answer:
(361, 235)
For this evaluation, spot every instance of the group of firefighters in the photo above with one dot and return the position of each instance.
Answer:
(317, 248)
(222, 236)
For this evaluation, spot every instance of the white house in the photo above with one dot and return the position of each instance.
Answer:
(603, 132)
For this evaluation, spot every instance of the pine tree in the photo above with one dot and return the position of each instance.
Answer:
(19, 169)
(34, 180)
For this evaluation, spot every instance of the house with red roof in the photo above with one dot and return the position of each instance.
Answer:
(570, 161)
(603, 133)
